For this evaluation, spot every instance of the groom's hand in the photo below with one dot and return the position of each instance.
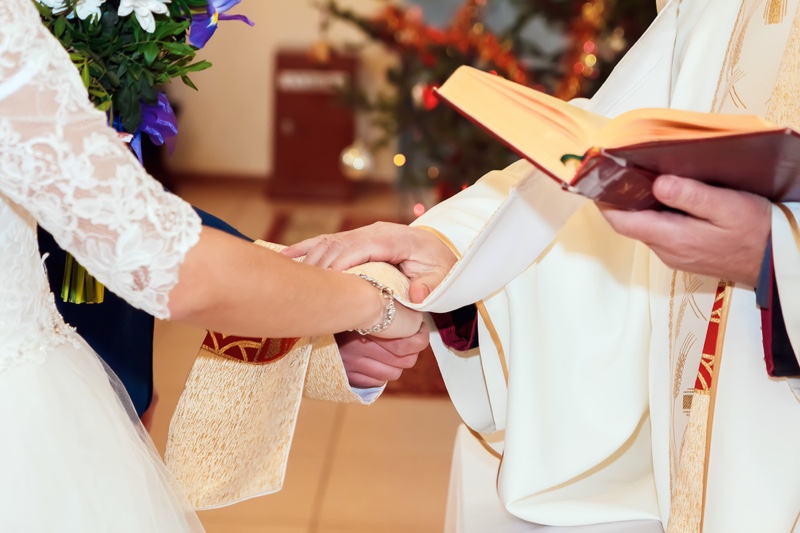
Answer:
(419, 254)
(371, 362)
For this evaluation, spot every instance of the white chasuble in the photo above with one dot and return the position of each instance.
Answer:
(599, 344)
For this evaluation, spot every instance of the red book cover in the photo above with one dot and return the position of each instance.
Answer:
(763, 163)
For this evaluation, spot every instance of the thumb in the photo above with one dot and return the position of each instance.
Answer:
(419, 290)
(690, 196)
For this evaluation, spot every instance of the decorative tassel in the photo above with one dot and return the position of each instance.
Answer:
(78, 286)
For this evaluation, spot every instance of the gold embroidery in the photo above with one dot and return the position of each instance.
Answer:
(671, 310)
(775, 11)
(730, 72)
(686, 348)
(726, 305)
(687, 400)
(707, 362)
(691, 284)
(687, 506)
(783, 106)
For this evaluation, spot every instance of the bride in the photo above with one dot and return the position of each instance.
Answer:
(72, 454)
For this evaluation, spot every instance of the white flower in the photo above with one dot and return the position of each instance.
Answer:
(144, 10)
(56, 5)
(88, 8)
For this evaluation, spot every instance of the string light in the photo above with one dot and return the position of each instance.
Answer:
(582, 61)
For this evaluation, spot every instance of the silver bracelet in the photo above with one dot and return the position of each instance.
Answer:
(388, 310)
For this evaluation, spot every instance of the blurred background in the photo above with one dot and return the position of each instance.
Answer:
(322, 118)
(368, 67)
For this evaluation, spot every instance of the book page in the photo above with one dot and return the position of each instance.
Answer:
(651, 125)
(539, 127)
(543, 129)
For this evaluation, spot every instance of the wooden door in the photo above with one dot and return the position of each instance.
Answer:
(312, 125)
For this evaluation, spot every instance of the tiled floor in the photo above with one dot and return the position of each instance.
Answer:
(351, 469)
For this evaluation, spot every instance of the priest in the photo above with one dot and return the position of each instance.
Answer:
(615, 367)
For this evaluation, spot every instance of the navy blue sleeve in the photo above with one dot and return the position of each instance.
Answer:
(120, 334)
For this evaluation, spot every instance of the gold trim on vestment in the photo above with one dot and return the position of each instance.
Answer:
(775, 11)
(479, 305)
(495, 338)
(483, 441)
(792, 224)
(442, 237)
(726, 304)
(688, 496)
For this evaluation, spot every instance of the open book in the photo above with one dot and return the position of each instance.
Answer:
(616, 160)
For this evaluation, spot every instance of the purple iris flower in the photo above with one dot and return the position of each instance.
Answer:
(205, 24)
(159, 122)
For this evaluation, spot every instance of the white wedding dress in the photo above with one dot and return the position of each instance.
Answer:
(73, 457)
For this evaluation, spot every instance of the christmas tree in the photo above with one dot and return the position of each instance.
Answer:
(438, 147)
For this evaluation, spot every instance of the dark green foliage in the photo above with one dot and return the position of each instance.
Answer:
(120, 64)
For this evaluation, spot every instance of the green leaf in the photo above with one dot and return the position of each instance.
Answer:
(85, 77)
(60, 26)
(150, 52)
(96, 71)
(113, 78)
(179, 49)
(44, 11)
(197, 67)
(188, 82)
(149, 94)
(104, 105)
(182, 27)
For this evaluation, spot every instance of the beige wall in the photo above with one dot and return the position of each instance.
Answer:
(226, 126)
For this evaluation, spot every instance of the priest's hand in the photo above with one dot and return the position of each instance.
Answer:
(419, 254)
(371, 362)
(717, 232)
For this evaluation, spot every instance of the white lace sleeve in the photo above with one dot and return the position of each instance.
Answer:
(61, 162)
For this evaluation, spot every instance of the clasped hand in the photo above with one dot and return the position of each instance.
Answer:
(712, 231)
(419, 254)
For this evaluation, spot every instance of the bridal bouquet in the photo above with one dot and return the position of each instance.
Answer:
(125, 50)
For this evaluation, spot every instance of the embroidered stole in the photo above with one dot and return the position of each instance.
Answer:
(762, 27)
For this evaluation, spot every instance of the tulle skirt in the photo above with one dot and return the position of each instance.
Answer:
(73, 458)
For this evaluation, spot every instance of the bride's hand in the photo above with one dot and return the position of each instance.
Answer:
(405, 324)
(386, 317)
(419, 254)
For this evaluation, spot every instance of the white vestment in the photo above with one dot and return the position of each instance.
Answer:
(587, 357)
